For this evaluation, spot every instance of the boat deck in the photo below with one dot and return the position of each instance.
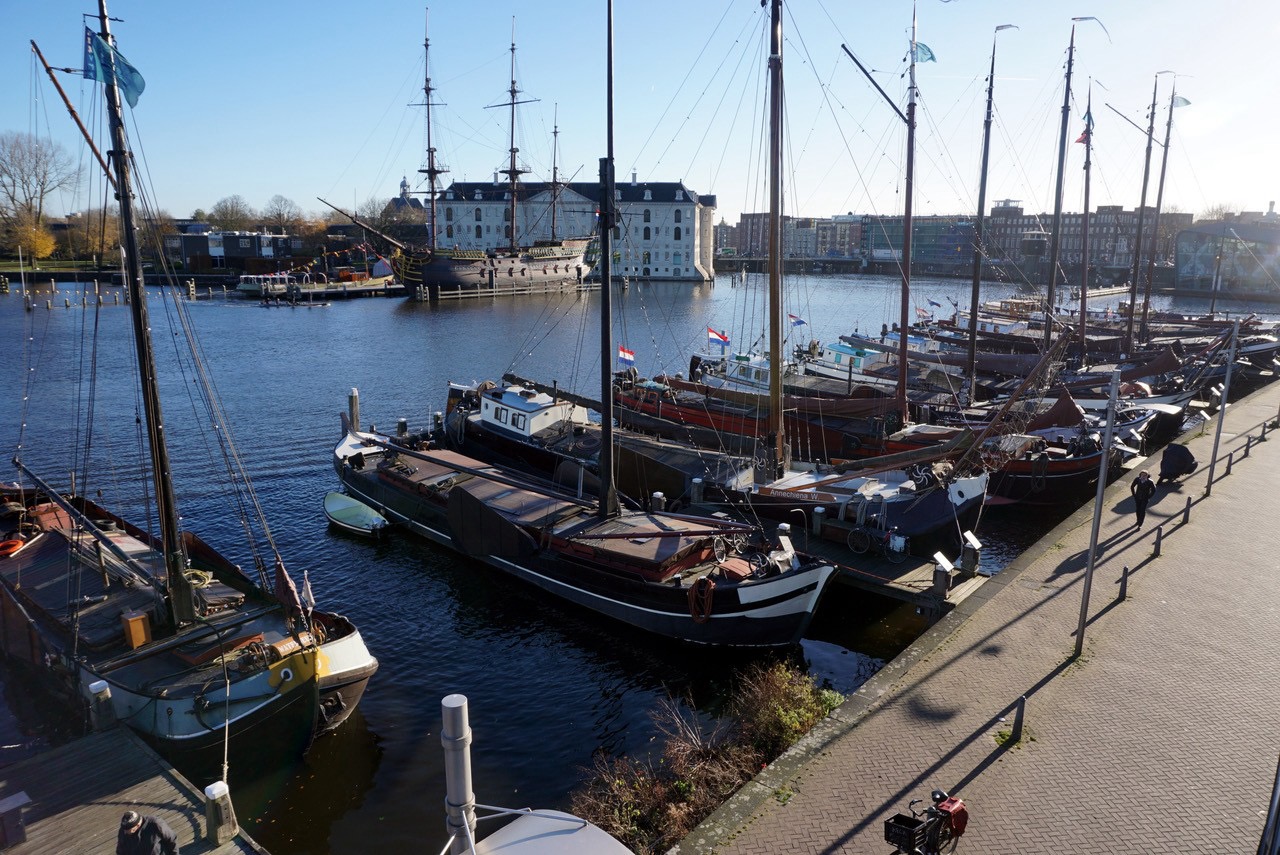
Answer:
(79, 791)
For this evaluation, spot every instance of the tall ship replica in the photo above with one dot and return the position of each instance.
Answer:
(426, 269)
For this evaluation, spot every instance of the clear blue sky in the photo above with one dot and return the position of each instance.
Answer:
(308, 99)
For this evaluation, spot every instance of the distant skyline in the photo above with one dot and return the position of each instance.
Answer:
(307, 99)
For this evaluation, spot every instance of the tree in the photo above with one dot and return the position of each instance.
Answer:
(31, 169)
(282, 215)
(1218, 213)
(232, 214)
(199, 215)
(31, 237)
(95, 232)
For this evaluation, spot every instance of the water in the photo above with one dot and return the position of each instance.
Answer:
(549, 686)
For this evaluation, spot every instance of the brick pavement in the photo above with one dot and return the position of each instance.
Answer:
(1162, 737)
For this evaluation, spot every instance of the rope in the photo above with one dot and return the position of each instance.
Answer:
(701, 598)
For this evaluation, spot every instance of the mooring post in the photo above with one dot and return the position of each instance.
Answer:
(1155, 550)
(460, 801)
(1186, 512)
(1248, 445)
(1231, 458)
(1019, 711)
(219, 814)
(1124, 575)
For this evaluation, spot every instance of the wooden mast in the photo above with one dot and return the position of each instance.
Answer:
(1055, 239)
(430, 170)
(179, 596)
(1084, 230)
(777, 439)
(904, 319)
(608, 497)
(513, 171)
(1142, 210)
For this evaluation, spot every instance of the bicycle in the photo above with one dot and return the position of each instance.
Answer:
(932, 831)
(894, 546)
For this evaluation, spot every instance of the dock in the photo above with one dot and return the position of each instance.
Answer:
(1062, 741)
(70, 799)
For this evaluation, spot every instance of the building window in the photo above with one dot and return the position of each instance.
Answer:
(647, 235)
(478, 215)
(675, 259)
(448, 231)
(645, 260)
(677, 215)
(647, 215)
(648, 195)
(506, 232)
(506, 215)
(448, 215)
(479, 232)
(617, 233)
(677, 232)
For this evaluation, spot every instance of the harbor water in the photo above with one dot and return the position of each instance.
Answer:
(550, 686)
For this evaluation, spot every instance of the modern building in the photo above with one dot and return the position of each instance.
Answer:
(1241, 255)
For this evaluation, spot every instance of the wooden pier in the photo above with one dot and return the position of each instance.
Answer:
(71, 798)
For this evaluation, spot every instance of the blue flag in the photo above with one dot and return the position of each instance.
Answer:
(100, 58)
(935, 303)
(923, 54)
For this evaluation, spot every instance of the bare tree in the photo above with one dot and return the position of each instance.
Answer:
(1217, 213)
(31, 169)
(232, 214)
(282, 215)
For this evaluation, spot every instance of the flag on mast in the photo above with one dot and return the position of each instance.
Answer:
(626, 357)
(796, 320)
(714, 337)
(99, 60)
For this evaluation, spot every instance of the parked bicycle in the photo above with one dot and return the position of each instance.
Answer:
(932, 831)
(894, 546)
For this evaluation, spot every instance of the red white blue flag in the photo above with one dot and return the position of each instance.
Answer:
(626, 357)
(714, 337)
(796, 320)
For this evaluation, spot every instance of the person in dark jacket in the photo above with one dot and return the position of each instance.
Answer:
(1142, 490)
(145, 835)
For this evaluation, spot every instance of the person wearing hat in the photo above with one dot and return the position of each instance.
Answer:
(145, 835)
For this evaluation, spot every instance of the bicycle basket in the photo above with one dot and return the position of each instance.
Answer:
(905, 832)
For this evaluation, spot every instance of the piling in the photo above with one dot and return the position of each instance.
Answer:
(102, 714)
(459, 801)
(658, 502)
(353, 408)
(695, 491)
(819, 518)
(219, 814)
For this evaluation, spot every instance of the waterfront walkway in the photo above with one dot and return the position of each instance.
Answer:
(1162, 737)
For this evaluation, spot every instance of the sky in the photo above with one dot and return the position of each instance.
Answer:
(312, 98)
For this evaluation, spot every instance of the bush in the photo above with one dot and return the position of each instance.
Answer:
(650, 806)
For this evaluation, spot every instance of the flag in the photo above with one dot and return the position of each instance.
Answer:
(935, 303)
(308, 598)
(796, 320)
(100, 58)
(923, 54)
(1088, 128)
(922, 313)
(1179, 101)
(625, 356)
(714, 337)
(286, 592)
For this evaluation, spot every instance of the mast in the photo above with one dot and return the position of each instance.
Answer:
(1155, 221)
(513, 172)
(778, 461)
(555, 176)
(904, 321)
(430, 170)
(1055, 237)
(178, 597)
(1142, 210)
(1087, 137)
(608, 497)
(974, 296)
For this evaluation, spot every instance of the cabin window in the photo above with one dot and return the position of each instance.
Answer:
(519, 421)
(647, 234)
(676, 235)
(647, 215)
(448, 215)
(501, 414)
(677, 215)
(478, 215)
(839, 358)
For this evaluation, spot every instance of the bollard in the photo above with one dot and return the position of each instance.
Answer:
(1186, 512)
(1248, 445)
(102, 713)
(1019, 711)
(695, 491)
(460, 801)
(48, 304)
(658, 502)
(353, 408)
(1155, 549)
(1263, 437)
(66, 302)
(819, 517)
(1124, 578)
(220, 824)
(1231, 458)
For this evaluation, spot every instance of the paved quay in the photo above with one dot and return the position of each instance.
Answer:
(1162, 736)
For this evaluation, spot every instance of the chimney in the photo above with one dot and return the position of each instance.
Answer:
(633, 178)
(495, 178)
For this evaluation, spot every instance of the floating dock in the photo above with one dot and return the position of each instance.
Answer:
(71, 798)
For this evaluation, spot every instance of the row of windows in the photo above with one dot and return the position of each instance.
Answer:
(517, 420)
(676, 233)
(506, 215)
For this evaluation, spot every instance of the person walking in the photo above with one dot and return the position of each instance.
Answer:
(1142, 490)
(145, 835)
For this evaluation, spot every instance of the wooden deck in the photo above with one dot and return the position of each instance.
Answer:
(80, 790)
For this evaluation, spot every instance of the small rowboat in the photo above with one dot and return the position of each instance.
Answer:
(354, 516)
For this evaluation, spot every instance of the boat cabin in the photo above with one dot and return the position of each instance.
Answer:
(528, 412)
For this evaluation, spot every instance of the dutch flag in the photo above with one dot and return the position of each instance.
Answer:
(626, 357)
(714, 337)
(796, 320)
